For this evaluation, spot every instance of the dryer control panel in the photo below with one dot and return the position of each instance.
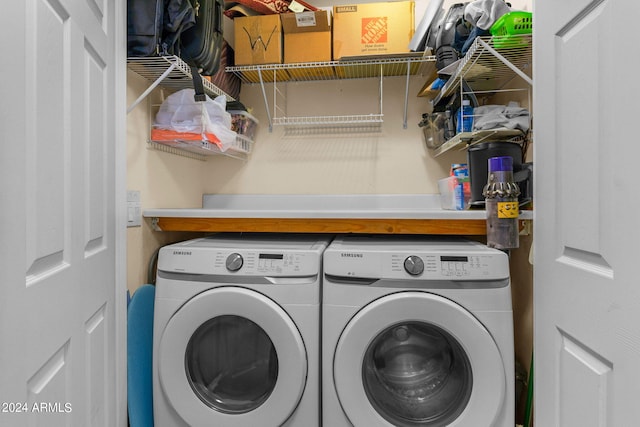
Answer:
(265, 263)
(240, 262)
(443, 266)
(246, 255)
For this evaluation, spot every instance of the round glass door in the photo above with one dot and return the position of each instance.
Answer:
(413, 359)
(231, 364)
(417, 374)
(231, 356)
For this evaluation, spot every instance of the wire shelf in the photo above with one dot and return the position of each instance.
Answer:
(328, 120)
(353, 68)
(405, 65)
(153, 68)
(491, 63)
(201, 150)
(463, 140)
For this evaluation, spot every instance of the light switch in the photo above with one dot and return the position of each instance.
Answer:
(134, 214)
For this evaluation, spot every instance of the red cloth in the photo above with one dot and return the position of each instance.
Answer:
(263, 7)
(172, 135)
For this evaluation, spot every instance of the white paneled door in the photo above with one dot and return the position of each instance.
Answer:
(587, 203)
(61, 351)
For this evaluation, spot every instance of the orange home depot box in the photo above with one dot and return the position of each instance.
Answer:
(307, 36)
(372, 28)
(258, 40)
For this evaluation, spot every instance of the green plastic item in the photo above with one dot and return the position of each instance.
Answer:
(509, 26)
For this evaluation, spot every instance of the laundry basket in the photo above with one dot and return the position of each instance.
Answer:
(507, 29)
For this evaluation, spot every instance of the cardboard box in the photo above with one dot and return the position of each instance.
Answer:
(372, 28)
(307, 36)
(258, 40)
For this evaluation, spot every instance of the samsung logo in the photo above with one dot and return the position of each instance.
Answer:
(351, 255)
(182, 252)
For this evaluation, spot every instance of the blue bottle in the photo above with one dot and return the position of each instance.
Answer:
(465, 117)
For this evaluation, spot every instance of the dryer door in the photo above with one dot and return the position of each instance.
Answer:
(417, 359)
(231, 356)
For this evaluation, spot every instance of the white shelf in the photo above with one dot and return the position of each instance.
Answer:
(328, 120)
(353, 68)
(490, 66)
(464, 140)
(173, 73)
(200, 150)
(170, 72)
(356, 68)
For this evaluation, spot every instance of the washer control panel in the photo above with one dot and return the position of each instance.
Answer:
(418, 266)
(414, 258)
(445, 266)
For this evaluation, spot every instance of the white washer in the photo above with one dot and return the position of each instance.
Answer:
(236, 332)
(416, 332)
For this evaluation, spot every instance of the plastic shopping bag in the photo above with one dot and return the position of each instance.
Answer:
(180, 113)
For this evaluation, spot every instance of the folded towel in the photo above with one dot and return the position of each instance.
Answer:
(509, 116)
(483, 13)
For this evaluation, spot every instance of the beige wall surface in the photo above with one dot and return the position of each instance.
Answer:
(391, 160)
(163, 180)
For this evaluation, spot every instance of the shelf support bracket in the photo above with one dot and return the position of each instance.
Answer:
(152, 87)
(506, 62)
(381, 87)
(264, 96)
(406, 96)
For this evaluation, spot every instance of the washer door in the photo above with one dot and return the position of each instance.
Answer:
(231, 356)
(417, 359)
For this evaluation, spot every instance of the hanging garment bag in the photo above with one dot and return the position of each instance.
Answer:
(201, 45)
(154, 26)
(144, 27)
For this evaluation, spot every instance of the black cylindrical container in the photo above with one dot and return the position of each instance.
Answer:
(478, 156)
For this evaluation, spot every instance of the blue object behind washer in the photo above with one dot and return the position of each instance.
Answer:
(139, 356)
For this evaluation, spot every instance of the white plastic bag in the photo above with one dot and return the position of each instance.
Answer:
(181, 113)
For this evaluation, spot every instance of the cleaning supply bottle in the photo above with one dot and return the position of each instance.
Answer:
(465, 117)
(462, 189)
(501, 202)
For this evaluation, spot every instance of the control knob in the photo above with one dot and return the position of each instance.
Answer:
(234, 262)
(414, 265)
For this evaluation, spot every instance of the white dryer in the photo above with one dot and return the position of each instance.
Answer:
(236, 332)
(416, 332)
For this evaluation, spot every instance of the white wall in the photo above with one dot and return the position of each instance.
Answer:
(395, 160)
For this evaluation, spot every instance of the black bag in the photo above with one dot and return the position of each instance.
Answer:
(154, 26)
(201, 45)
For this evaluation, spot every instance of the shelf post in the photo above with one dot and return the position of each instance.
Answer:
(264, 96)
(381, 86)
(406, 96)
(152, 87)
